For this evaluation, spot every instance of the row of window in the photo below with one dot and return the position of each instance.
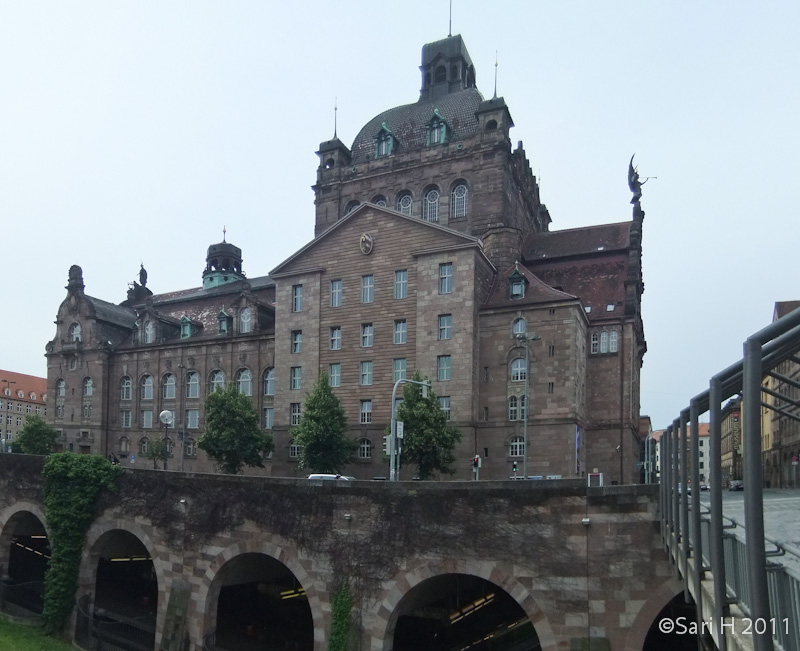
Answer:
(146, 418)
(29, 409)
(604, 342)
(189, 446)
(431, 199)
(368, 287)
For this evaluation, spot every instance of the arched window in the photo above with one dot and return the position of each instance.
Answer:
(518, 370)
(73, 363)
(519, 327)
(246, 320)
(269, 382)
(364, 449)
(384, 142)
(351, 206)
(217, 380)
(458, 201)
(61, 388)
(75, 332)
(437, 130)
(405, 203)
(244, 382)
(147, 388)
(125, 388)
(440, 75)
(330, 164)
(516, 447)
(88, 386)
(379, 200)
(430, 206)
(149, 332)
(491, 125)
(168, 388)
(192, 385)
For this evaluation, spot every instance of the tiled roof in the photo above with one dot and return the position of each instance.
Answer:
(599, 283)
(28, 384)
(408, 123)
(262, 282)
(782, 308)
(536, 292)
(114, 314)
(577, 241)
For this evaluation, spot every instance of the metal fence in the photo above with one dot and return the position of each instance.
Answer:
(24, 600)
(100, 630)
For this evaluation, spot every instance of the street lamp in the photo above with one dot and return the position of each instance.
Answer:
(182, 397)
(394, 448)
(8, 409)
(522, 336)
(167, 418)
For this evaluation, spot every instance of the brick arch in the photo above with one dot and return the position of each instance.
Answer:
(8, 514)
(381, 630)
(647, 614)
(207, 592)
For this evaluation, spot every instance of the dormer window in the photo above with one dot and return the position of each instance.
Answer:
(384, 142)
(149, 332)
(186, 327)
(437, 129)
(224, 321)
(517, 289)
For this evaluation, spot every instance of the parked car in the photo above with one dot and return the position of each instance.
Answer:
(704, 487)
(333, 477)
(736, 485)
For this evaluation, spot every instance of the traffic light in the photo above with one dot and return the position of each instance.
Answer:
(514, 468)
(476, 461)
(387, 444)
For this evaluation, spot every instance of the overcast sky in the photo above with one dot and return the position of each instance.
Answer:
(134, 131)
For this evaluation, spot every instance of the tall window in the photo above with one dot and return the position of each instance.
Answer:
(595, 343)
(168, 387)
(297, 298)
(217, 381)
(384, 144)
(366, 373)
(335, 375)
(125, 418)
(61, 388)
(88, 386)
(75, 332)
(612, 342)
(269, 417)
(516, 447)
(405, 204)
(458, 201)
(147, 388)
(518, 370)
(400, 331)
(366, 412)
(336, 338)
(149, 332)
(430, 206)
(246, 320)
(366, 335)
(192, 418)
(192, 385)
(399, 369)
(147, 419)
(367, 289)
(443, 367)
(401, 283)
(364, 449)
(444, 405)
(604, 342)
(437, 132)
(244, 382)
(269, 382)
(294, 416)
(519, 327)
(446, 278)
(297, 341)
(295, 378)
(445, 326)
(336, 293)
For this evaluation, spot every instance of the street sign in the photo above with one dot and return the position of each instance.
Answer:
(399, 429)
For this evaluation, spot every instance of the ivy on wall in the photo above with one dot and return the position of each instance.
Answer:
(341, 606)
(72, 485)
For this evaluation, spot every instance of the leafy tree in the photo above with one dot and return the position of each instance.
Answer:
(36, 436)
(233, 437)
(322, 432)
(428, 440)
(156, 451)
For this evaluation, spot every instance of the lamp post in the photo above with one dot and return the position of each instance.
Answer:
(7, 392)
(523, 336)
(394, 449)
(182, 389)
(167, 418)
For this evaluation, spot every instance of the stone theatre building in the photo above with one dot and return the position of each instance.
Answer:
(432, 252)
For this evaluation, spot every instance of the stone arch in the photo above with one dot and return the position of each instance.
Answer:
(381, 627)
(647, 614)
(28, 515)
(207, 592)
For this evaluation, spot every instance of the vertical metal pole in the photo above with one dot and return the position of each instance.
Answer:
(697, 544)
(684, 496)
(754, 495)
(393, 434)
(676, 512)
(525, 422)
(721, 608)
(665, 503)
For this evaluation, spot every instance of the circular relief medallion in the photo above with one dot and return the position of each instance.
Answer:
(366, 244)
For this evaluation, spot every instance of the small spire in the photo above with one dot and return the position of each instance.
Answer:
(450, 24)
(224, 232)
(495, 75)
(335, 115)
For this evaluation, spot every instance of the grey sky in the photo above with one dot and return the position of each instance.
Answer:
(133, 131)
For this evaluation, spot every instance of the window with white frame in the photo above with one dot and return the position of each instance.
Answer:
(244, 382)
(295, 378)
(269, 382)
(364, 449)
(405, 204)
(595, 343)
(294, 448)
(430, 206)
(168, 387)
(297, 341)
(513, 408)
(604, 342)
(443, 367)
(458, 201)
(269, 417)
(192, 418)
(516, 447)
(146, 392)
(366, 373)
(612, 341)
(519, 327)
(365, 415)
(192, 385)
(294, 413)
(445, 326)
(336, 293)
(88, 387)
(399, 369)
(246, 320)
(297, 298)
(367, 288)
(149, 332)
(217, 381)
(400, 331)
(444, 405)
(446, 278)
(147, 418)
(61, 388)
(336, 338)
(401, 283)
(518, 370)
(366, 335)
(190, 448)
(335, 375)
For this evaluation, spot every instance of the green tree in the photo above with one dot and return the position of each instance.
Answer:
(36, 436)
(233, 437)
(322, 432)
(156, 451)
(428, 440)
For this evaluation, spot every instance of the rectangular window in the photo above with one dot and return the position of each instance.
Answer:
(446, 278)
(125, 418)
(401, 284)
(366, 335)
(294, 411)
(336, 338)
(335, 375)
(551, 387)
(269, 419)
(444, 405)
(38, 411)
(192, 418)
(28, 409)
(297, 341)
(336, 293)
(551, 350)
(399, 369)
(147, 418)
(400, 331)
(366, 374)
(295, 378)
(297, 298)
(445, 326)
(612, 343)
(366, 411)
(443, 367)
(367, 289)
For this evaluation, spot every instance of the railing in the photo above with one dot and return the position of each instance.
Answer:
(106, 631)
(25, 600)
(210, 641)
